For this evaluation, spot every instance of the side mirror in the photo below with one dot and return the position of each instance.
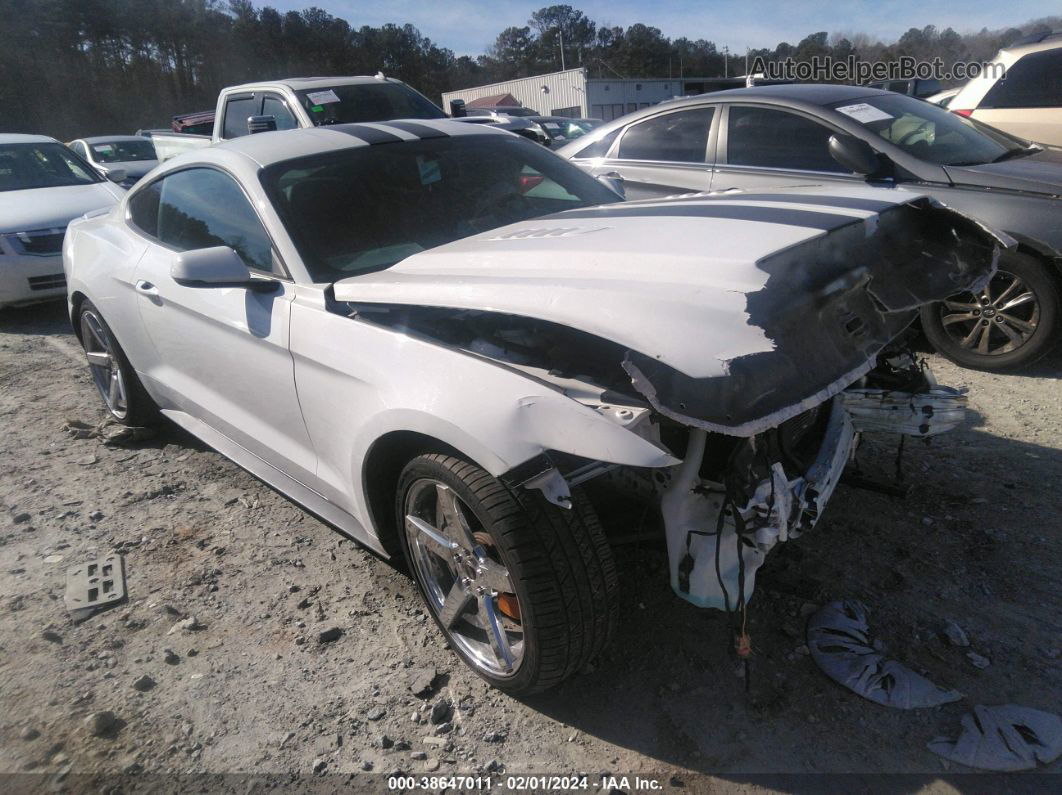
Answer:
(613, 180)
(854, 154)
(117, 175)
(457, 109)
(218, 266)
(257, 124)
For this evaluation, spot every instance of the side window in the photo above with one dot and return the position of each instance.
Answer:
(144, 208)
(201, 207)
(273, 105)
(1034, 81)
(778, 139)
(237, 110)
(899, 86)
(599, 148)
(680, 137)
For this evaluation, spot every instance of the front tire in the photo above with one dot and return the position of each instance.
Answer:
(1011, 323)
(525, 592)
(123, 395)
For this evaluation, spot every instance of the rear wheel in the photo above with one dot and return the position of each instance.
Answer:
(1009, 324)
(525, 592)
(121, 390)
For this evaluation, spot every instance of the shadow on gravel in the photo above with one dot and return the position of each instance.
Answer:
(47, 319)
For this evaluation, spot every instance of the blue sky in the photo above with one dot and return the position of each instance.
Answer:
(469, 26)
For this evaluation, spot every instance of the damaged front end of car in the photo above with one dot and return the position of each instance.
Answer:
(758, 375)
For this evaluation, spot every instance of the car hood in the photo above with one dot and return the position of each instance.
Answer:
(132, 168)
(52, 208)
(733, 309)
(1037, 173)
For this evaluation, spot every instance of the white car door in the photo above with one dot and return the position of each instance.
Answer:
(221, 352)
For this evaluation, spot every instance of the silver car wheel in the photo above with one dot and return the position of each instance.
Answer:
(103, 364)
(999, 320)
(467, 587)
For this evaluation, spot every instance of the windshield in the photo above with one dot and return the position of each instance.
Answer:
(43, 165)
(365, 209)
(367, 102)
(928, 132)
(123, 151)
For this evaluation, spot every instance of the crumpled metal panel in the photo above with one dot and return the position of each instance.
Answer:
(1004, 738)
(929, 413)
(839, 639)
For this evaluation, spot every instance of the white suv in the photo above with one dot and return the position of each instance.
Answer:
(1027, 102)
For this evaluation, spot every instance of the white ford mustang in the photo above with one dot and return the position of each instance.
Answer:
(431, 333)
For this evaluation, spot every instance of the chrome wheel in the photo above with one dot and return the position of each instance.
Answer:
(999, 320)
(103, 364)
(467, 586)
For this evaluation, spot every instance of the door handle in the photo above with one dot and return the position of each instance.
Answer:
(146, 288)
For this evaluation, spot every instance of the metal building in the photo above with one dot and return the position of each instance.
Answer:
(573, 93)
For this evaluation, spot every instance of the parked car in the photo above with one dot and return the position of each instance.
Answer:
(943, 98)
(430, 333)
(305, 102)
(199, 123)
(132, 154)
(43, 185)
(559, 130)
(921, 88)
(1024, 97)
(766, 137)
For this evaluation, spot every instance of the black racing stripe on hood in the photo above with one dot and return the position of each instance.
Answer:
(870, 205)
(419, 130)
(369, 135)
(769, 215)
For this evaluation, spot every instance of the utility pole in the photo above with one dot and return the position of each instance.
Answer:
(560, 32)
(726, 61)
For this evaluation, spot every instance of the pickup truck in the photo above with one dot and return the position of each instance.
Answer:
(301, 103)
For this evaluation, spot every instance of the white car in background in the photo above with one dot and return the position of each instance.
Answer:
(432, 333)
(1026, 99)
(132, 154)
(43, 186)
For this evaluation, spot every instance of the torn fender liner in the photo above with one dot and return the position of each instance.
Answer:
(928, 413)
(1004, 738)
(839, 638)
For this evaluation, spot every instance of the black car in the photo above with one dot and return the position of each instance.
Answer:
(794, 135)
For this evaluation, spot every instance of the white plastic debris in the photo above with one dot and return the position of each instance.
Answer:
(841, 645)
(1004, 738)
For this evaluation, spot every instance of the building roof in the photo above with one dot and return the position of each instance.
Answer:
(495, 101)
(19, 138)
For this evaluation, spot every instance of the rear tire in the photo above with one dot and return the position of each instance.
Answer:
(543, 574)
(1011, 324)
(123, 395)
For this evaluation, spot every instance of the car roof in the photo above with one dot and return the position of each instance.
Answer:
(1035, 43)
(274, 147)
(814, 93)
(106, 139)
(303, 83)
(20, 138)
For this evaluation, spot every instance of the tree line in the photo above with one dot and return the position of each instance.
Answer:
(71, 68)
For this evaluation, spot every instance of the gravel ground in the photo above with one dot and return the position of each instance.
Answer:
(256, 639)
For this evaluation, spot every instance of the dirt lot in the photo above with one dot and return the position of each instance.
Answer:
(255, 690)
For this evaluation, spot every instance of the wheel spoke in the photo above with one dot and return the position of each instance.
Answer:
(98, 359)
(114, 392)
(947, 320)
(449, 514)
(961, 306)
(1015, 337)
(968, 340)
(986, 333)
(1015, 284)
(494, 576)
(1024, 298)
(1018, 323)
(499, 641)
(456, 602)
(432, 538)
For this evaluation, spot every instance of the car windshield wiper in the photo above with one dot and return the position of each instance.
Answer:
(1020, 151)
